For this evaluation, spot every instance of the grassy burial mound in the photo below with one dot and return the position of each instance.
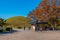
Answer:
(18, 21)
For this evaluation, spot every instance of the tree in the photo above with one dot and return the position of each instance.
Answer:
(2, 22)
(46, 11)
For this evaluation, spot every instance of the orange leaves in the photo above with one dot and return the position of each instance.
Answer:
(58, 6)
(41, 10)
(38, 12)
(45, 10)
(54, 8)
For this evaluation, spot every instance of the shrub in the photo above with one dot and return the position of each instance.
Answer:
(9, 29)
(1, 29)
(57, 28)
(19, 27)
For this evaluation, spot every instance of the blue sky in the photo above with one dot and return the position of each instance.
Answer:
(10, 8)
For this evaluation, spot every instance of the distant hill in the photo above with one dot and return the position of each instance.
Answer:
(18, 21)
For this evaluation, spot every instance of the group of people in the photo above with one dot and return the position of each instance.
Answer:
(29, 28)
(32, 28)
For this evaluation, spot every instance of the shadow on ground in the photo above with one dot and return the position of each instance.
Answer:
(13, 31)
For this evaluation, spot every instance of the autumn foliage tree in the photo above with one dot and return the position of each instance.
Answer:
(47, 11)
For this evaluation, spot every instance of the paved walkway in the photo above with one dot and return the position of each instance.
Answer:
(31, 35)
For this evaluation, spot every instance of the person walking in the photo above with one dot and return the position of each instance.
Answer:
(41, 29)
(29, 28)
(24, 28)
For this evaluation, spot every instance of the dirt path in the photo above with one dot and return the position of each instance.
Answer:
(31, 35)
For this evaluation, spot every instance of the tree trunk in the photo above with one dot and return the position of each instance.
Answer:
(52, 26)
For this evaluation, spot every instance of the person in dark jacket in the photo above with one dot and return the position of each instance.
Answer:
(24, 27)
(29, 28)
